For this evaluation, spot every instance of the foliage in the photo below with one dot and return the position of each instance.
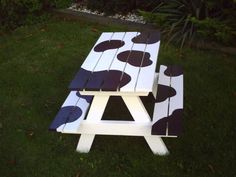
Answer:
(110, 7)
(14, 13)
(214, 30)
(183, 21)
(61, 3)
(152, 17)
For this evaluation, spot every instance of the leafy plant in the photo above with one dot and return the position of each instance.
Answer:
(110, 7)
(178, 14)
(214, 29)
(183, 21)
(14, 13)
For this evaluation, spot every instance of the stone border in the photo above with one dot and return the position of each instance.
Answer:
(101, 19)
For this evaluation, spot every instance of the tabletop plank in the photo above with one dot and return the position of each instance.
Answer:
(132, 69)
(100, 71)
(93, 57)
(147, 73)
(112, 82)
(108, 55)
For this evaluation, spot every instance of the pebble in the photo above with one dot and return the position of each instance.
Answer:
(129, 17)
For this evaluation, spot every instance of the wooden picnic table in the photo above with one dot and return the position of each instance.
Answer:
(120, 64)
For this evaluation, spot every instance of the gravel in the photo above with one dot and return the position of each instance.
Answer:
(129, 17)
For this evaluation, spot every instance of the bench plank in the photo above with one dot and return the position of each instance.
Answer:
(170, 99)
(83, 103)
(144, 84)
(72, 109)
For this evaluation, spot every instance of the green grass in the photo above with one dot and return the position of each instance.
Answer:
(37, 64)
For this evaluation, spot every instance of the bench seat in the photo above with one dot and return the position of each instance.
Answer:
(72, 112)
(168, 108)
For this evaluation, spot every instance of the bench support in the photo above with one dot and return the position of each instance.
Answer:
(95, 114)
(141, 126)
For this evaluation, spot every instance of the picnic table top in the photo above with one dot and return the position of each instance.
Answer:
(119, 63)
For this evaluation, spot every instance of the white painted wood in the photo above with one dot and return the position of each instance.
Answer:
(136, 108)
(157, 145)
(108, 55)
(163, 79)
(93, 57)
(176, 102)
(95, 114)
(147, 74)
(71, 99)
(113, 93)
(133, 71)
(97, 108)
(160, 110)
(117, 64)
(85, 143)
(154, 87)
(120, 128)
(74, 126)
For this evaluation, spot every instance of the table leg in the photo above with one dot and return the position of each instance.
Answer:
(136, 108)
(140, 114)
(157, 145)
(95, 114)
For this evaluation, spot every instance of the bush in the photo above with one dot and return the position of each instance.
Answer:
(183, 21)
(111, 7)
(14, 13)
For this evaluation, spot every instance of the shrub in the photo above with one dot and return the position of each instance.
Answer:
(14, 13)
(183, 21)
(110, 7)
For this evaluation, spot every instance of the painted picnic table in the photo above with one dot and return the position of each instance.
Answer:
(120, 64)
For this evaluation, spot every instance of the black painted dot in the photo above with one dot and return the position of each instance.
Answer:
(106, 45)
(173, 71)
(172, 122)
(164, 92)
(135, 58)
(150, 37)
(66, 114)
(87, 98)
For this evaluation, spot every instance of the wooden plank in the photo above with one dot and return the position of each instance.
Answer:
(160, 111)
(136, 108)
(112, 127)
(161, 107)
(144, 84)
(109, 55)
(112, 80)
(117, 65)
(132, 70)
(62, 115)
(93, 57)
(163, 79)
(71, 99)
(74, 126)
(80, 80)
(101, 69)
(95, 81)
(176, 102)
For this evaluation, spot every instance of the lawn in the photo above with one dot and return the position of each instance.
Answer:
(37, 64)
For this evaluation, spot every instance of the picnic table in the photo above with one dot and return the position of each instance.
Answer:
(123, 64)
